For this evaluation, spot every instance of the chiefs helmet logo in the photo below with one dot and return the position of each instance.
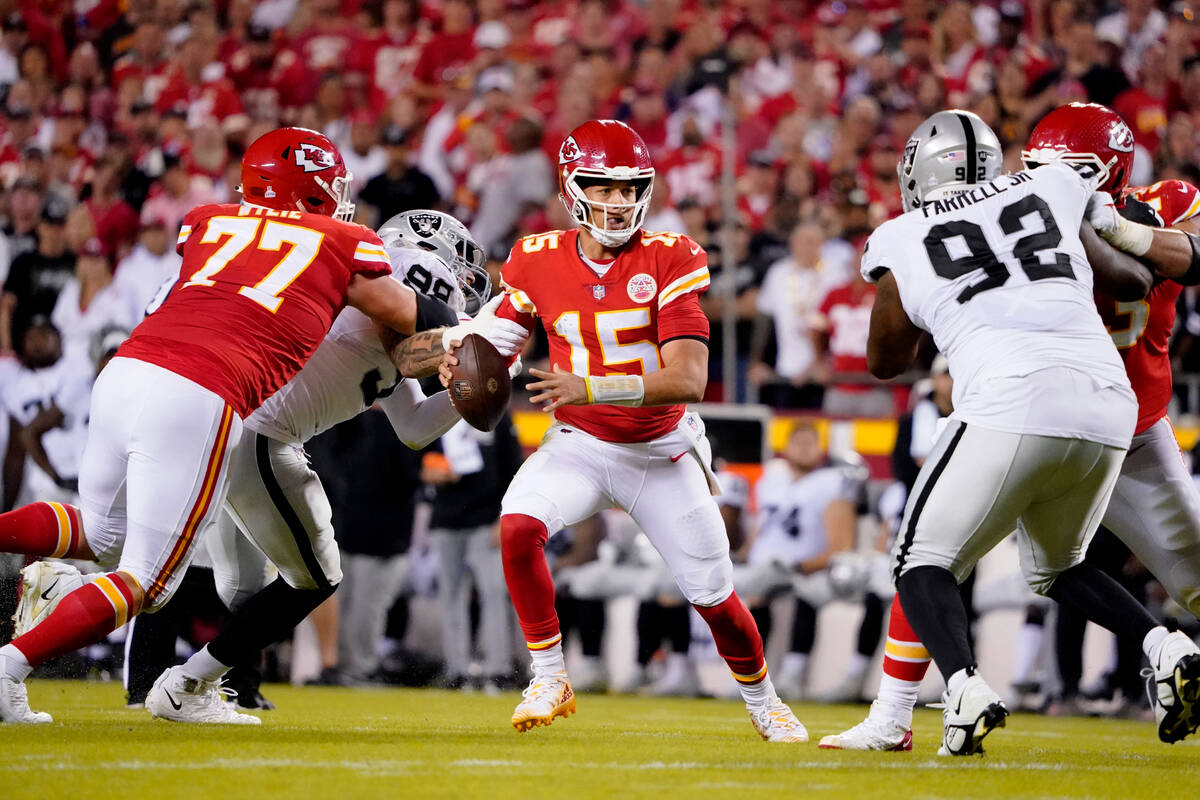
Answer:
(311, 158)
(1120, 138)
(569, 151)
(425, 225)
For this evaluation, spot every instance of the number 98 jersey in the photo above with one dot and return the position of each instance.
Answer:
(612, 323)
(257, 292)
(999, 276)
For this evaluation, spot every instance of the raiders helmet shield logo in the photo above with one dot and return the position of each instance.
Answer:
(425, 225)
(1120, 138)
(311, 158)
(910, 155)
(569, 151)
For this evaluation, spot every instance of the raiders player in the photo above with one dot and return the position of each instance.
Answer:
(1000, 270)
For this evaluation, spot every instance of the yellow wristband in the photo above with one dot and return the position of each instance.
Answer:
(616, 390)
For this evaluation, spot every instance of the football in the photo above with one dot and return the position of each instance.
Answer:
(480, 385)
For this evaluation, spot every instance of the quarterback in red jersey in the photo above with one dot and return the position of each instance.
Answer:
(1155, 505)
(628, 342)
(259, 287)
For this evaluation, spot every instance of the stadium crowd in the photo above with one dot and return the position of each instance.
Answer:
(118, 116)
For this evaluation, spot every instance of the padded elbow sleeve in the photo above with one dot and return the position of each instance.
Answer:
(433, 313)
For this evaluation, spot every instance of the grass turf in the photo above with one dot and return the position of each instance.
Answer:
(357, 743)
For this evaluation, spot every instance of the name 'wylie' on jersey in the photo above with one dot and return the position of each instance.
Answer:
(1000, 278)
(610, 323)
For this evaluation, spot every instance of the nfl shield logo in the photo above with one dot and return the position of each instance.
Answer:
(598, 292)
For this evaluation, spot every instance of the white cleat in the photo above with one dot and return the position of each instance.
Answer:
(43, 584)
(14, 704)
(1173, 684)
(968, 715)
(179, 698)
(775, 722)
(873, 733)
(547, 696)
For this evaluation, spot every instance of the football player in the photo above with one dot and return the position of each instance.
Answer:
(1155, 505)
(628, 341)
(1000, 270)
(260, 285)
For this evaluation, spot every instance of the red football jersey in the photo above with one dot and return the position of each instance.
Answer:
(611, 324)
(256, 294)
(845, 315)
(1141, 329)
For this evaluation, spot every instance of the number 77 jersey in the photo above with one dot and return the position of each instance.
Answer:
(612, 323)
(258, 290)
(1000, 278)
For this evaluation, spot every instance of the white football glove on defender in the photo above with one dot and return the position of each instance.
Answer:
(506, 336)
(1132, 237)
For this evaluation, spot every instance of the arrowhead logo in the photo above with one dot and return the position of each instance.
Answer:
(569, 151)
(311, 158)
(1120, 138)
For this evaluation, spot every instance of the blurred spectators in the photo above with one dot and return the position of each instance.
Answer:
(142, 110)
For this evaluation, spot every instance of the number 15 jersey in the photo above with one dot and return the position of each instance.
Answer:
(1000, 278)
(257, 292)
(610, 324)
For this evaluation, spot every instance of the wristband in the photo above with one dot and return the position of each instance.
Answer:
(1132, 237)
(615, 390)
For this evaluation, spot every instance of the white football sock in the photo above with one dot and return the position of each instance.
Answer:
(549, 659)
(896, 700)
(758, 694)
(203, 666)
(13, 663)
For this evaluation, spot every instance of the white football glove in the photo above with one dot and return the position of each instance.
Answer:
(506, 336)
(514, 369)
(1132, 237)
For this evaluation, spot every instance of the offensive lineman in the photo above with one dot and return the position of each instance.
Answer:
(993, 267)
(629, 344)
(1155, 505)
(260, 285)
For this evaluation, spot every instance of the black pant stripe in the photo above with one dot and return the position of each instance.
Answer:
(911, 529)
(262, 455)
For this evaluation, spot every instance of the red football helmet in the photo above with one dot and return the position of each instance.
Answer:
(604, 150)
(292, 169)
(1084, 133)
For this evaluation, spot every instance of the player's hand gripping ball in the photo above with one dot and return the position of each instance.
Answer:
(479, 384)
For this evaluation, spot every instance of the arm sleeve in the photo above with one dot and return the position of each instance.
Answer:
(517, 305)
(418, 420)
(369, 257)
(683, 319)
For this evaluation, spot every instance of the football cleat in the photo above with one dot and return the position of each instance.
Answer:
(14, 704)
(775, 722)
(873, 733)
(179, 698)
(968, 715)
(547, 696)
(1173, 683)
(43, 584)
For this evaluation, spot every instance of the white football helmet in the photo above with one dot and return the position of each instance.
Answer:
(448, 239)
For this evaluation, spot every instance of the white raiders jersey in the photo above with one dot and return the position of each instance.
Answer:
(999, 277)
(67, 384)
(350, 369)
(791, 512)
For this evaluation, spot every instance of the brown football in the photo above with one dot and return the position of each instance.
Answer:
(480, 386)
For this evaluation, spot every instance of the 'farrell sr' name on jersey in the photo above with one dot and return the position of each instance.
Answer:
(611, 322)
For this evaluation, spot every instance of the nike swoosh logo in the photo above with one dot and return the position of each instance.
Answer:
(176, 706)
(46, 594)
(695, 249)
(676, 458)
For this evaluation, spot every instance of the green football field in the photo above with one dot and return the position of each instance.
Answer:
(364, 743)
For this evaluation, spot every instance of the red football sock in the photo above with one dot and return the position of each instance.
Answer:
(523, 549)
(83, 617)
(41, 529)
(904, 657)
(737, 638)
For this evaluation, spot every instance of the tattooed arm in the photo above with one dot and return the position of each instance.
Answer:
(416, 356)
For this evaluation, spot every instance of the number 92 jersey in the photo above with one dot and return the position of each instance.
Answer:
(257, 292)
(610, 324)
(1000, 278)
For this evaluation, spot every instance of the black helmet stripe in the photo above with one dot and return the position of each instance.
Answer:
(969, 134)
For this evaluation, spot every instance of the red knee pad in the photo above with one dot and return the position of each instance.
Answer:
(522, 535)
